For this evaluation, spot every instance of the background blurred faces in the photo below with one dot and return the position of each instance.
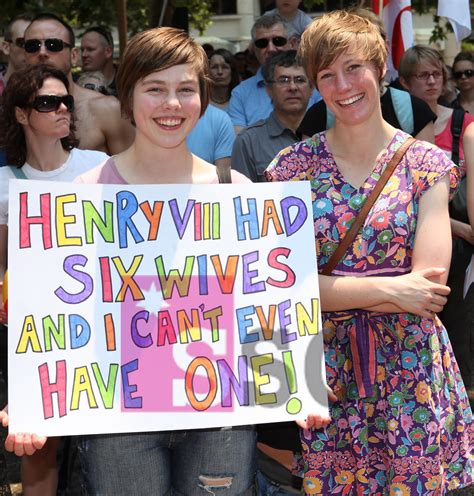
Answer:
(268, 34)
(95, 51)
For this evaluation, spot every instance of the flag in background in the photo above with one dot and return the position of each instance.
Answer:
(459, 15)
(397, 19)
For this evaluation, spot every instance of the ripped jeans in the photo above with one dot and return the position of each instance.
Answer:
(185, 463)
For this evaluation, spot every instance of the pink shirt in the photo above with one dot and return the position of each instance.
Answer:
(444, 139)
(107, 173)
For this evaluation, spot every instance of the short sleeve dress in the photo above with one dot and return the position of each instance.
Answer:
(402, 424)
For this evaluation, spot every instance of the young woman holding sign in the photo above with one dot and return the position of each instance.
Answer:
(402, 423)
(163, 86)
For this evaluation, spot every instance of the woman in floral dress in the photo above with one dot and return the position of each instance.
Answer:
(402, 424)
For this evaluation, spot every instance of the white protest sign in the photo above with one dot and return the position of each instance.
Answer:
(158, 307)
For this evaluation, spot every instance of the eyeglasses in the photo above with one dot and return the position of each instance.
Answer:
(95, 87)
(19, 42)
(278, 41)
(51, 44)
(468, 73)
(424, 76)
(287, 80)
(51, 103)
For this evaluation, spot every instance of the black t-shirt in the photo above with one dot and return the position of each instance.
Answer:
(314, 120)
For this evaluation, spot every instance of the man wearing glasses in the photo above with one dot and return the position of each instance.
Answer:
(290, 90)
(99, 124)
(249, 100)
(12, 46)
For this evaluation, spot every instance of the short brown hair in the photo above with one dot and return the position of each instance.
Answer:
(156, 50)
(20, 91)
(417, 54)
(337, 32)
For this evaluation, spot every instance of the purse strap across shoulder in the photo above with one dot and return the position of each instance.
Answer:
(364, 211)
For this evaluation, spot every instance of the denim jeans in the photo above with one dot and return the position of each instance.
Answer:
(187, 463)
(266, 487)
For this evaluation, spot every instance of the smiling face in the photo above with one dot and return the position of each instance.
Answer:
(291, 90)
(42, 125)
(350, 88)
(166, 106)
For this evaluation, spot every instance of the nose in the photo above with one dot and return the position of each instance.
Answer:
(342, 82)
(172, 100)
(292, 85)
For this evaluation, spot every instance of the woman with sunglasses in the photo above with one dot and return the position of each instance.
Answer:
(463, 74)
(401, 424)
(37, 134)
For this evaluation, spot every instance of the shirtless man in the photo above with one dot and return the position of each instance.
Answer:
(99, 124)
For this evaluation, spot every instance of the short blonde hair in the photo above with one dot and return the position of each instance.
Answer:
(418, 54)
(338, 32)
(156, 50)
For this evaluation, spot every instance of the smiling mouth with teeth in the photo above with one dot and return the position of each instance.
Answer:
(169, 122)
(351, 100)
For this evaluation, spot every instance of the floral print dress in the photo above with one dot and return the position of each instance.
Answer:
(402, 424)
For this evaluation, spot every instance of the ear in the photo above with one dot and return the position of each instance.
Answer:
(293, 42)
(21, 116)
(269, 89)
(5, 48)
(74, 56)
(404, 83)
(109, 51)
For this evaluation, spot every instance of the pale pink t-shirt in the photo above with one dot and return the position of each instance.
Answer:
(107, 173)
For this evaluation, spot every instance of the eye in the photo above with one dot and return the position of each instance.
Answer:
(353, 67)
(325, 75)
(154, 89)
(187, 89)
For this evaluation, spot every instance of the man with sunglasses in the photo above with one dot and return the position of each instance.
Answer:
(99, 124)
(249, 100)
(12, 46)
(97, 50)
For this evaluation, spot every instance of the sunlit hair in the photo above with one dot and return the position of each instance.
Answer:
(267, 22)
(156, 50)
(20, 91)
(338, 32)
(416, 55)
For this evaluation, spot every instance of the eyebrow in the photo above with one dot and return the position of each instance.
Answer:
(160, 81)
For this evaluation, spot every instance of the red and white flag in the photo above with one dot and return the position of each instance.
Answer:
(397, 19)
(459, 15)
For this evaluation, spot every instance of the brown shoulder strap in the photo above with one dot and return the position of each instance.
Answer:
(363, 212)
(224, 173)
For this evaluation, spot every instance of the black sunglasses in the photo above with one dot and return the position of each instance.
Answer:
(19, 42)
(51, 44)
(51, 103)
(278, 41)
(94, 87)
(459, 74)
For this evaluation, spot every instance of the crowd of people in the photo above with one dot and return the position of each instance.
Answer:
(307, 101)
